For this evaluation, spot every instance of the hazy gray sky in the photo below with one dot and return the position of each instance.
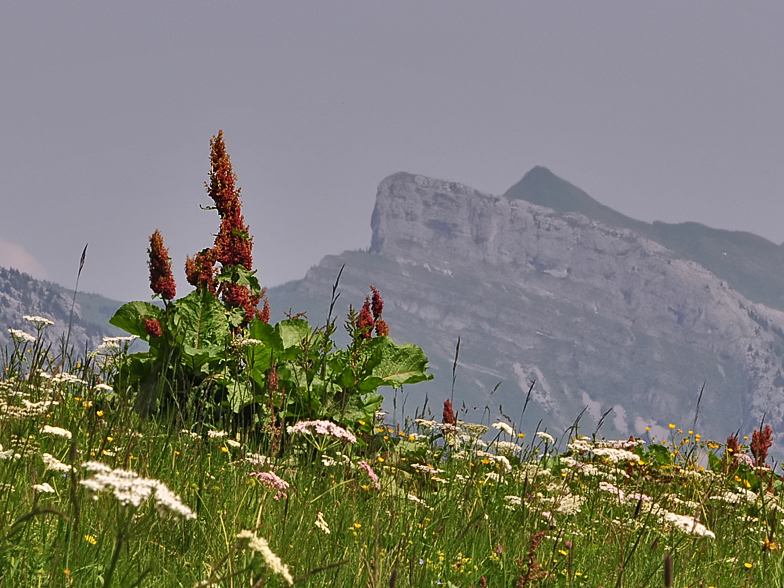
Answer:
(668, 111)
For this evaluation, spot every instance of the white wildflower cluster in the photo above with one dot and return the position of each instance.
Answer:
(257, 459)
(128, 488)
(546, 437)
(501, 426)
(323, 429)
(500, 460)
(613, 451)
(506, 448)
(213, 434)
(246, 342)
(530, 471)
(615, 455)
(54, 464)
(513, 501)
(426, 468)
(191, 434)
(427, 425)
(45, 487)
(27, 410)
(339, 459)
(66, 378)
(417, 500)
(322, 524)
(56, 431)
(474, 430)
(8, 454)
(39, 321)
(569, 504)
(273, 562)
(686, 524)
(21, 336)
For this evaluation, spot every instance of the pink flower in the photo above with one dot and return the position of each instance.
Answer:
(371, 474)
(271, 480)
(322, 428)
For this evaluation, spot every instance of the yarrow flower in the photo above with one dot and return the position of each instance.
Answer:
(45, 487)
(504, 427)
(322, 524)
(21, 336)
(59, 432)
(39, 321)
(369, 471)
(545, 436)
(128, 488)
(271, 480)
(54, 464)
(273, 562)
(322, 428)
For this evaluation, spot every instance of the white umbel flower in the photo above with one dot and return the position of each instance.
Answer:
(128, 488)
(504, 427)
(274, 563)
(39, 321)
(57, 431)
(45, 487)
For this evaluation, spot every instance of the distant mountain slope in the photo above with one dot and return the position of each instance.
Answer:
(21, 294)
(601, 316)
(751, 264)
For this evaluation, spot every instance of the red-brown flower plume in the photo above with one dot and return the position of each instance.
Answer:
(378, 303)
(382, 330)
(233, 245)
(161, 278)
(448, 418)
(200, 269)
(733, 447)
(365, 322)
(264, 316)
(153, 328)
(761, 442)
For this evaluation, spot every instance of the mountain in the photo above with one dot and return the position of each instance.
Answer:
(751, 264)
(545, 284)
(21, 294)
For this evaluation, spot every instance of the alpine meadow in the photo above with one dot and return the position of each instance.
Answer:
(235, 451)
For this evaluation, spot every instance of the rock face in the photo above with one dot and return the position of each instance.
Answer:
(21, 295)
(599, 316)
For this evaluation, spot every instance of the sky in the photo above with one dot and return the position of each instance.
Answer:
(670, 111)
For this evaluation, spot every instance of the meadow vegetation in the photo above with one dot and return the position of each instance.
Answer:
(233, 452)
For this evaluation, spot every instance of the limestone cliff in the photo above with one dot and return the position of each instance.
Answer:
(600, 316)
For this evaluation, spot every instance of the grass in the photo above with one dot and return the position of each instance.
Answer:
(465, 505)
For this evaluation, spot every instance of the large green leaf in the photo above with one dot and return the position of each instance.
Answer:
(396, 365)
(293, 331)
(130, 317)
(200, 320)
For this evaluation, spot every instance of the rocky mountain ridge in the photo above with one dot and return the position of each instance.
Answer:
(602, 317)
(21, 294)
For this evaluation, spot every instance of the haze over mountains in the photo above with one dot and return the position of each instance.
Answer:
(543, 283)
(546, 284)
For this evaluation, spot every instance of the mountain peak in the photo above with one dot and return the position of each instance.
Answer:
(542, 187)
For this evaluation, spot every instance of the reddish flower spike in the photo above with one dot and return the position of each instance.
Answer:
(365, 321)
(448, 418)
(161, 278)
(153, 328)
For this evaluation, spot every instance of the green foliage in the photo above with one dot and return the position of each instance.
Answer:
(201, 349)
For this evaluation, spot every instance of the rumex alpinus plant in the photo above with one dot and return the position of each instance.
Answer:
(213, 352)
